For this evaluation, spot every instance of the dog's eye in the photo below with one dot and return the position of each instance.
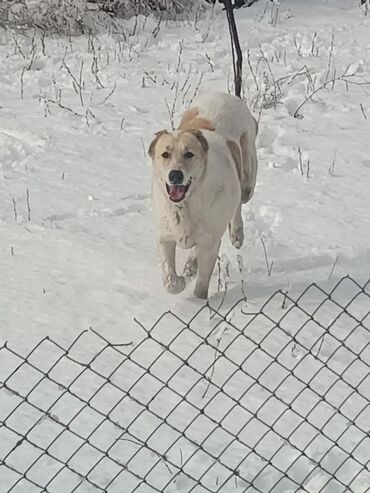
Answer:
(165, 155)
(188, 155)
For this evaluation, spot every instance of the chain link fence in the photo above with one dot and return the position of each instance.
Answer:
(268, 400)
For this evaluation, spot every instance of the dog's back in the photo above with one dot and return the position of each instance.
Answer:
(230, 117)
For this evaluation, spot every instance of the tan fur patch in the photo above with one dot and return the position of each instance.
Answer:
(202, 140)
(246, 191)
(191, 120)
(187, 117)
(154, 142)
(235, 152)
(244, 146)
(243, 141)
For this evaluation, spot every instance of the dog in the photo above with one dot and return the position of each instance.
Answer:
(202, 174)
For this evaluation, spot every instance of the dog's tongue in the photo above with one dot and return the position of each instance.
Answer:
(177, 192)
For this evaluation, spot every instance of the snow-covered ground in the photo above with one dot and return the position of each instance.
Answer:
(87, 256)
(77, 115)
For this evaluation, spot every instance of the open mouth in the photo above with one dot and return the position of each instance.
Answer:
(177, 193)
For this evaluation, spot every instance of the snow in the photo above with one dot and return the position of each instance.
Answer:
(77, 242)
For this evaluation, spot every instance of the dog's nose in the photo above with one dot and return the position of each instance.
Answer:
(176, 177)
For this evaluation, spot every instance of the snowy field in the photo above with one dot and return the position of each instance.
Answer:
(76, 234)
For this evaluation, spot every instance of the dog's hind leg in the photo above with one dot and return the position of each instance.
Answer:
(249, 163)
(173, 283)
(236, 230)
(207, 256)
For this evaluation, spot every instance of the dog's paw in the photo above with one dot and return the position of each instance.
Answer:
(237, 237)
(191, 268)
(174, 284)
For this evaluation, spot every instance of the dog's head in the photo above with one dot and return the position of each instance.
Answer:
(179, 160)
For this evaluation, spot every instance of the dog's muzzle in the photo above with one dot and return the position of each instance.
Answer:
(177, 193)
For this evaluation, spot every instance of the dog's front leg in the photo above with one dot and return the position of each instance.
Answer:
(173, 283)
(207, 256)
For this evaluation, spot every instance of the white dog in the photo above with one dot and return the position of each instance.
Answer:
(202, 173)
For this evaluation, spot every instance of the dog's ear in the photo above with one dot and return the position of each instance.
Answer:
(200, 137)
(154, 142)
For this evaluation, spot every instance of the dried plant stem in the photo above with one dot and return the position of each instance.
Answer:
(363, 111)
(15, 209)
(300, 161)
(28, 205)
(22, 82)
(212, 370)
(332, 166)
(330, 58)
(333, 267)
(252, 71)
(345, 77)
(268, 264)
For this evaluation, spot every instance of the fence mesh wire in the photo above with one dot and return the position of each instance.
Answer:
(271, 400)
